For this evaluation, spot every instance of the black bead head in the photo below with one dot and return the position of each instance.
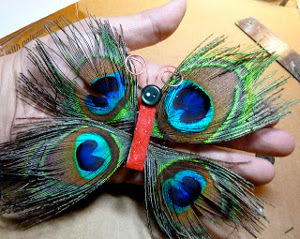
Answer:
(151, 95)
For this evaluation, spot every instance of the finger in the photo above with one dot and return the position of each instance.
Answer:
(256, 170)
(151, 26)
(129, 176)
(266, 141)
(272, 125)
(142, 29)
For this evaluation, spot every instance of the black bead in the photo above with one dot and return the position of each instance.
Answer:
(151, 95)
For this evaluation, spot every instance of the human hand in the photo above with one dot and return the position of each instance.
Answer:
(140, 31)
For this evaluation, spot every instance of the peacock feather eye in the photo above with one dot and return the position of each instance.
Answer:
(92, 154)
(109, 89)
(188, 107)
(182, 190)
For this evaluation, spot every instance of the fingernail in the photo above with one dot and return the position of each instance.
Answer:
(271, 159)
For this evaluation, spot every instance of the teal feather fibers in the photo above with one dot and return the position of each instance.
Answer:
(38, 188)
(254, 105)
(54, 163)
(64, 96)
(182, 188)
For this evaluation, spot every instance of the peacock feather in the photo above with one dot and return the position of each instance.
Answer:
(91, 107)
(182, 189)
(221, 97)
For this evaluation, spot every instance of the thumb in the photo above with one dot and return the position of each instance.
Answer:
(151, 26)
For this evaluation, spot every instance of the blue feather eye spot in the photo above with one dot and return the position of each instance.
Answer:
(188, 107)
(92, 154)
(109, 89)
(183, 190)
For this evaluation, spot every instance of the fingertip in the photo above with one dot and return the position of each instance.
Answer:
(260, 172)
(289, 142)
(257, 170)
(276, 142)
(148, 27)
(272, 124)
(265, 141)
(268, 175)
(154, 25)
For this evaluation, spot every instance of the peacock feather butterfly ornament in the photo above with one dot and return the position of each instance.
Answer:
(56, 161)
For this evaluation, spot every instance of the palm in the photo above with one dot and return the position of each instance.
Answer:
(265, 141)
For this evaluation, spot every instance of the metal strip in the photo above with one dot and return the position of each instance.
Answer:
(288, 58)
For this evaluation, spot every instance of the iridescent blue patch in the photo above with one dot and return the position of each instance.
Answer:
(188, 107)
(181, 191)
(110, 90)
(92, 154)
